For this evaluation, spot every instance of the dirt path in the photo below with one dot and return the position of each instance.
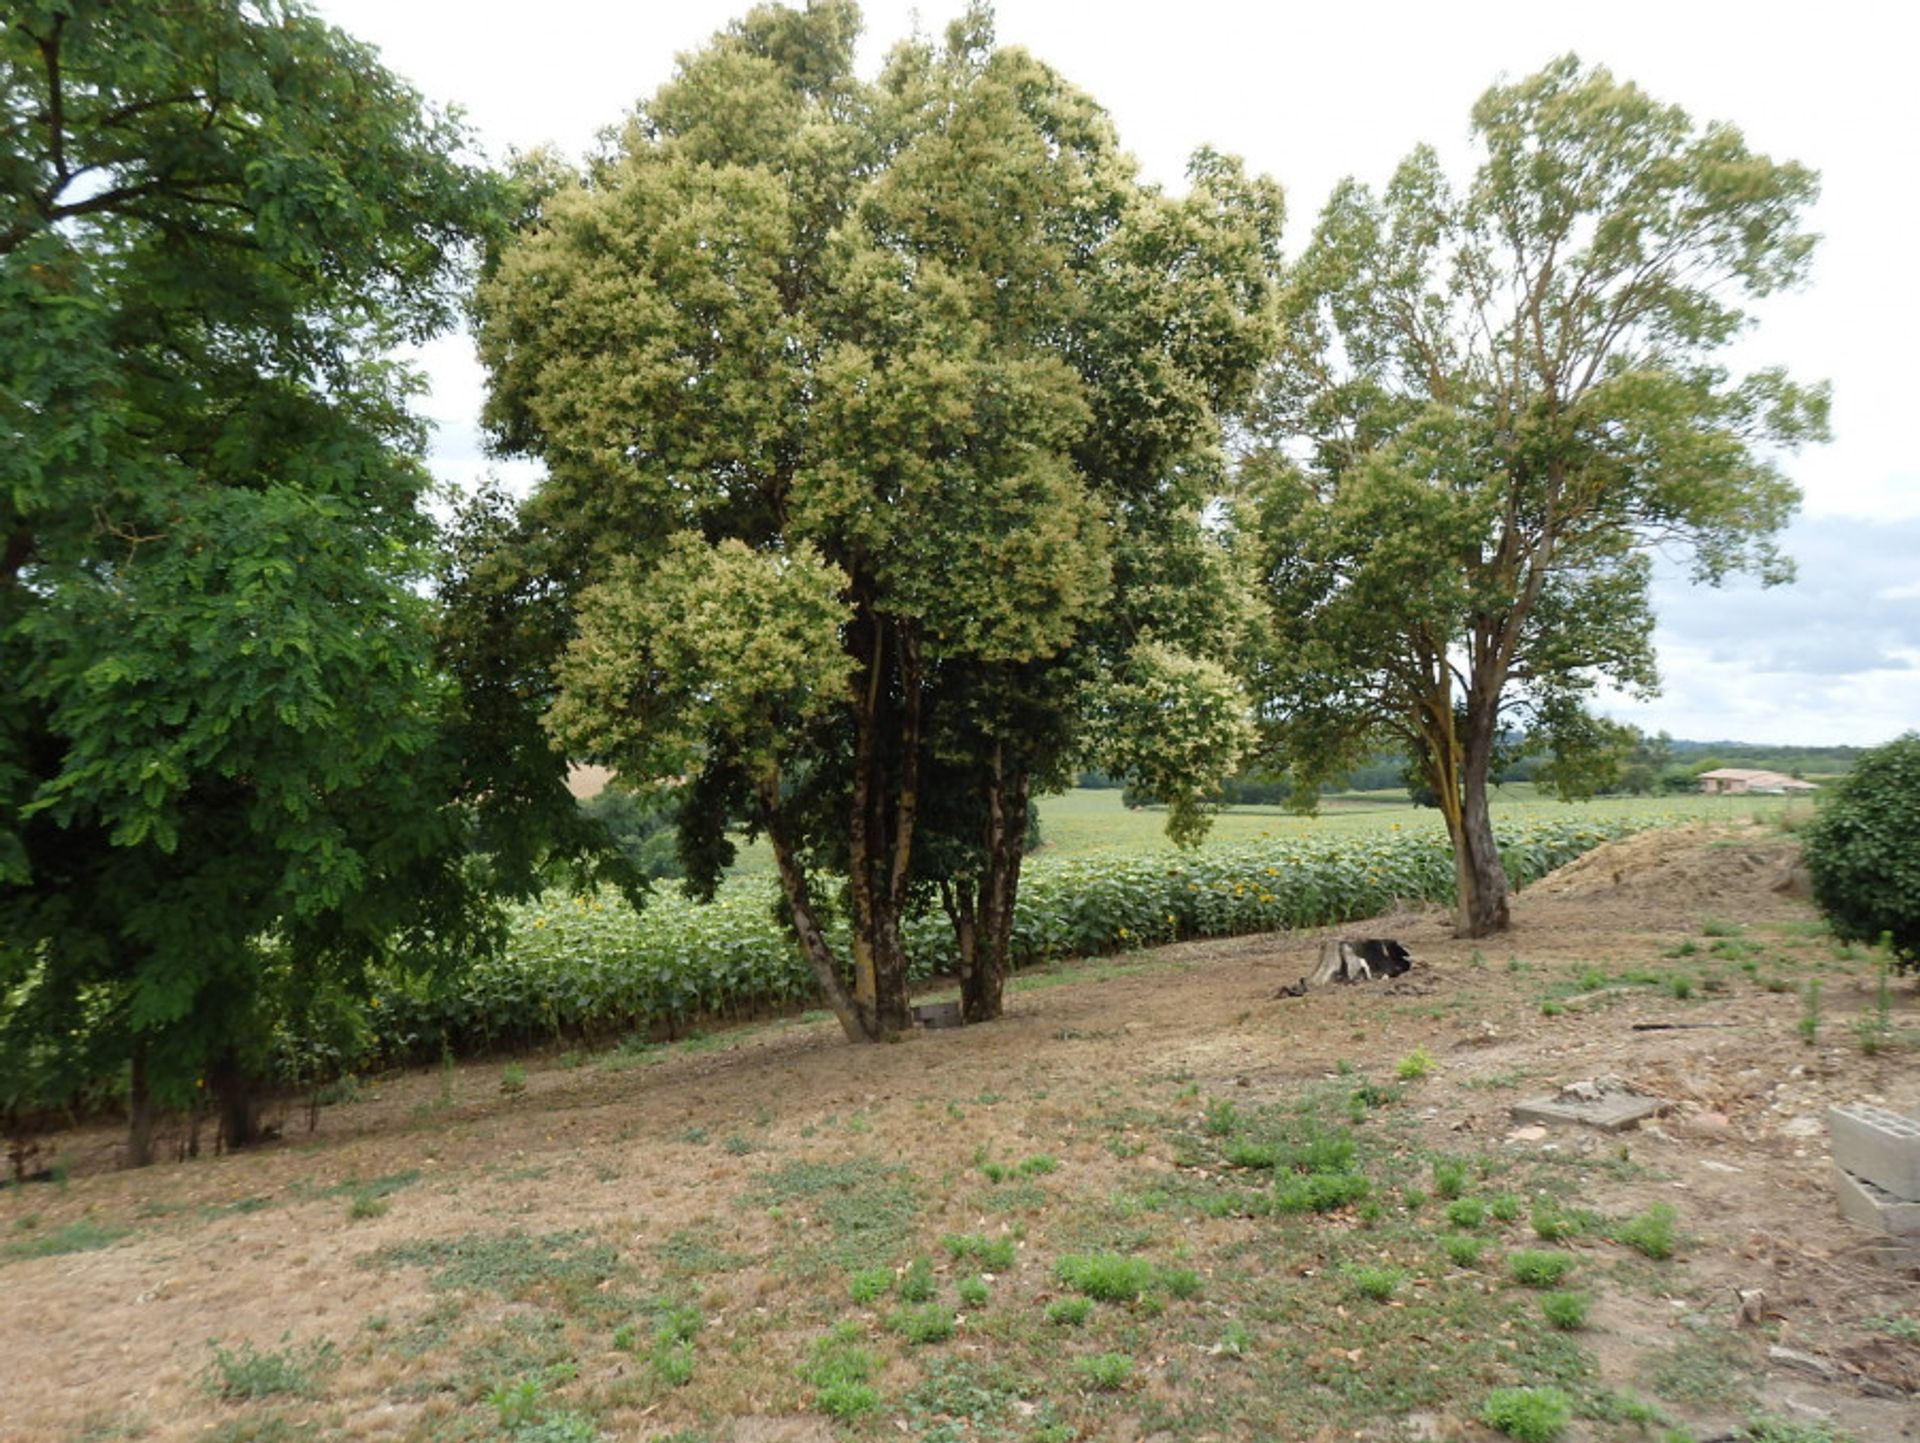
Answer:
(648, 1154)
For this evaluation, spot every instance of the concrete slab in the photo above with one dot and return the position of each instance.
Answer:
(1880, 1146)
(1874, 1208)
(1608, 1111)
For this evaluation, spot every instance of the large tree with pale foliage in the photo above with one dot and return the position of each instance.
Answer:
(1494, 403)
(878, 421)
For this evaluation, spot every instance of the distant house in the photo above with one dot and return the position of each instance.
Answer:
(1743, 781)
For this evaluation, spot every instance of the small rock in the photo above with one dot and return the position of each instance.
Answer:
(1799, 1362)
(1753, 1306)
(1801, 1127)
(1527, 1134)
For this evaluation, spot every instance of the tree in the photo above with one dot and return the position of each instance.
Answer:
(1863, 851)
(227, 752)
(879, 420)
(1492, 405)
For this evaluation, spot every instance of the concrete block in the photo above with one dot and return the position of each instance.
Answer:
(1875, 1208)
(1881, 1146)
(1613, 1112)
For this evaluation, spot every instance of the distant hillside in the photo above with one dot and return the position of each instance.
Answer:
(1794, 761)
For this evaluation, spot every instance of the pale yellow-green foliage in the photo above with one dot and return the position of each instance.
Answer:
(1174, 721)
(711, 642)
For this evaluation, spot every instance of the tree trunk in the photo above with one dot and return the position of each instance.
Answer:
(806, 923)
(1482, 875)
(983, 987)
(960, 900)
(139, 1113)
(886, 705)
(235, 1102)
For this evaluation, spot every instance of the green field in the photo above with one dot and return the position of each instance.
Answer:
(1082, 822)
(1087, 822)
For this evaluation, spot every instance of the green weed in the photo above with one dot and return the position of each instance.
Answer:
(1531, 1415)
(247, 1374)
(1536, 1269)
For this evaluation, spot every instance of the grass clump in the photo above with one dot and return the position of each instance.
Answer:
(1504, 1207)
(1466, 1212)
(1449, 1178)
(1535, 1268)
(1106, 1277)
(83, 1235)
(1650, 1233)
(840, 1372)
(929, 1323)
(672, 1363)
(1251, 1154)
(1553, 1224)
(993, 1254)
(1069, 1312)
(1567, 1311)
(1108, 1372)
(869, 1285)
(1531, 1415)
(1377, 1283)
(973, 1292)
(1320, 1192)
(917, 1283)
(246, 1373)
(1416, 1064)
(1463, 1251)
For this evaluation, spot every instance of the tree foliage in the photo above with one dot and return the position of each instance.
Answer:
(1863, 850)
(225, 758)
(878, 420)
(1492, 403)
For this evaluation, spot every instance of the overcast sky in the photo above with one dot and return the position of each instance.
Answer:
(1309, 94)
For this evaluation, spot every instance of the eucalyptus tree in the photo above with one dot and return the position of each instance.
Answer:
(226, 755)
(1494, 403)
(879, 421)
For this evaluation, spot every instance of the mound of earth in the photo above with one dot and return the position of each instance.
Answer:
(1702, 863)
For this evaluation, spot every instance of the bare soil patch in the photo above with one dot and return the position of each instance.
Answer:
(703, 1177)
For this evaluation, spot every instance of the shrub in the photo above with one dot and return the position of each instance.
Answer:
(1462, 1251)
(1466, 1212)
(1862, 851)
(1532, 1415)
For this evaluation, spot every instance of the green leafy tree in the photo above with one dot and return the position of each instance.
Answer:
(1863, 851)
(227, 751)
(1493, 403)
(879, 421)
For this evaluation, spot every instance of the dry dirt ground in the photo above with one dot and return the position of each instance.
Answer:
(682, 1173)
